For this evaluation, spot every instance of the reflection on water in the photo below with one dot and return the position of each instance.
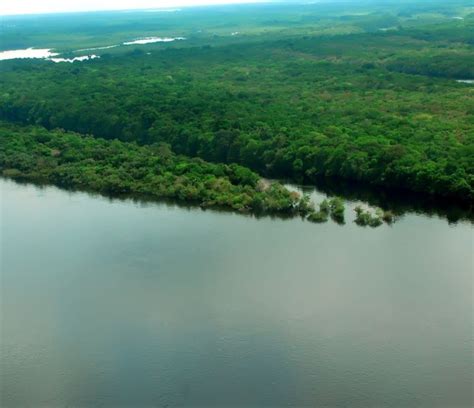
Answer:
(399, 202)
(122, 303)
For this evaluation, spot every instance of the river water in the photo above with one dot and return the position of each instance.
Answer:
(119, 303)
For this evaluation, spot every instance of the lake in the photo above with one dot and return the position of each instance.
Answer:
(46, 53)
(150, 40)
(43, 53)
(27, 53)
(124, 303)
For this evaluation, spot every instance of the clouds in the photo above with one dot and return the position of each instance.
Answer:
(52, 6)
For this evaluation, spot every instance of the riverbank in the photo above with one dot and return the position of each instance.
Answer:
(70, 160)
(119, 169)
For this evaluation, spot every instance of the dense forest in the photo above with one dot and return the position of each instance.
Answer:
(375, 101)
(72, 161)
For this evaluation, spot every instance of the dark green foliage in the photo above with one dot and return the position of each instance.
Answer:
(325, 207)
(318, 217)
(322, 215)
(388, 217)
(283, 112)
(308, 92)
(365, 218)
(69, 160)
(306, 206)
(336, 206)
(450, 64)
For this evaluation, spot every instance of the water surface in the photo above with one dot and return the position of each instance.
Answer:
(150, 40)
(81, 58)
(43, 53)
(121, 303)
(27, 53)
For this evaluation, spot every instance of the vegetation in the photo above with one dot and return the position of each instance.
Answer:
(322, 215)
(69, 160)
(336, 206)
(365, 217)
(347, 119)
(363, 92)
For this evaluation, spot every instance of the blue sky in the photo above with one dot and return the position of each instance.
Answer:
(51, 6)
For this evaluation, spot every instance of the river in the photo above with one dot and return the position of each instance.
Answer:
(124, 303)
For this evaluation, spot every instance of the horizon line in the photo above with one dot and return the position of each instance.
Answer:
(169, 8)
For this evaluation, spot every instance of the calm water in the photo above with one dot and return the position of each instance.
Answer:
(115, 303)
(44, 53)
(27, 53)
(150, 40)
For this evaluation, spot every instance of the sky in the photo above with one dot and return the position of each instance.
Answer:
(8, 7)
